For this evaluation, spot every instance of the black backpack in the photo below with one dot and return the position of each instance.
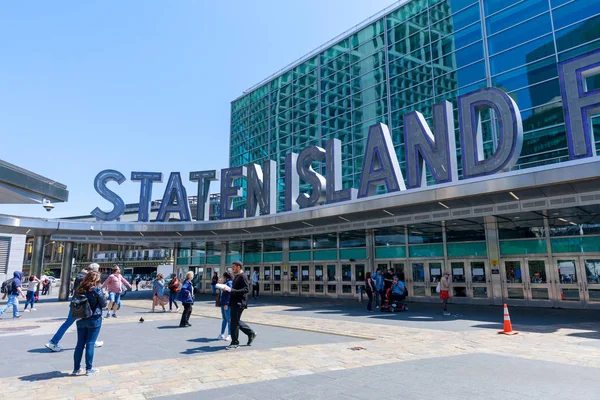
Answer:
(7, 286)
(80, 307)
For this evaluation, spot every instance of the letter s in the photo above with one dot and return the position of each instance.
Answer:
(109, 175)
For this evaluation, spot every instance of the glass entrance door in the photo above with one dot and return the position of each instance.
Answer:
(423, 279)
(470, 281)
(568, 282)
(591, 285)
(526, 282)
(319, 274)
(277, 281)
(306, 279)
(266, 278)
(331, 280)
(294, 282)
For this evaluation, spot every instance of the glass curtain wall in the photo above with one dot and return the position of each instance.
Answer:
(422, 53)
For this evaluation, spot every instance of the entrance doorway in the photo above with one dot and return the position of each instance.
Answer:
(527, 281)
(470, 281)
(422, 278)
(577, 281)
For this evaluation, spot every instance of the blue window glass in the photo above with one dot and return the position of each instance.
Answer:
(539, 48)
(529, 30)
(556, 3)
(513, 15)
(536, 95)
(492, 6)
(465, 56)
(457, 41)
(544, 116)
(573, 12)
(577, 34)
(459, 20)
(527, 75)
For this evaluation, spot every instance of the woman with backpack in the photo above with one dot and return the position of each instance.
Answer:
(173, 290)
(225, 310)
(158, 287)
(186, 296)
(88, 328)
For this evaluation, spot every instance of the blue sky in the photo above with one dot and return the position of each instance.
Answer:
(141, 85)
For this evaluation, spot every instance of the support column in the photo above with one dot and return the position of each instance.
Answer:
(370, 250)
(65, 271)
(37, 258)
(285, 258)
(445, 243)
(493, 250)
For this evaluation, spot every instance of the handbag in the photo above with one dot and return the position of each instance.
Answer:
(218, 300)
(438, 288)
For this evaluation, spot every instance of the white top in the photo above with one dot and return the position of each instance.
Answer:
(32, 286)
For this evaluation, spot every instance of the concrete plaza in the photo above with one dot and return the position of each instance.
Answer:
(310, 348)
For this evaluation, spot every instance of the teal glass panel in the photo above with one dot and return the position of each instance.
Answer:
(319, 255)
(430, 250)
(356, 254)
(183, 261)
(532, 246)
(213, 260)
(300, 255)
(231, 258)
(576, 244)
(273, 257)
(390, 252)
(198, 260)
(252, 258)
(467, 249)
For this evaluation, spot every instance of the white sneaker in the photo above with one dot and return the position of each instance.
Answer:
(227, 338)
(177, 309)
(54, 347)
(33, 309)
(446, 313)
(25, 310)
(99, 343)
(220, 337)
(377, 307)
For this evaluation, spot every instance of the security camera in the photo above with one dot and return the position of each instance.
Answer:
(47, 205)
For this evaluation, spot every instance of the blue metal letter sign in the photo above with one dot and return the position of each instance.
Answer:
(310, 176)
(229, 191)
(579, 102)
(203, 178)
(146, 179)
(109, 175)
(335, 193)
(174, 200)
(380, 165)
(421, 146)
(261, 192)
(510, 132)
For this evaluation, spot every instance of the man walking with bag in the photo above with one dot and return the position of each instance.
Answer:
(238, 303)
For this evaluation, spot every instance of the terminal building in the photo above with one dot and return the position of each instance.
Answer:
(528, 235)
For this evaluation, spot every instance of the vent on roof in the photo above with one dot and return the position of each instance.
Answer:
(508, 207)
(441, 215)
(461, 212)
(423, 217)
(483, 210)
(531, 204)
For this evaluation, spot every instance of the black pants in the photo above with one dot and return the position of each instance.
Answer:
(255, 290)
(237, 324)
(370, 303)
(185, 316)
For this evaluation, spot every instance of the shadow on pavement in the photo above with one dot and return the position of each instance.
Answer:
(169, 327)
(43, 376)
(203, 349)
(203, 340)
(43, 350)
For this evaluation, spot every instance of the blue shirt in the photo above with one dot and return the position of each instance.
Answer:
(378, 278)
(16, 283)
(399, 288)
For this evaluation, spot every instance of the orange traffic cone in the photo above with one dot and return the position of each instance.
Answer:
(507, 325)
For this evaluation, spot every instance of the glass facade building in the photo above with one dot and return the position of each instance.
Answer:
(413, 56)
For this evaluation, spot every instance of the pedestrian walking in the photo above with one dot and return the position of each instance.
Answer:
(238, 303)
(53, 343)
(88, 329)
(379, 286)
(225, 308)
(215, 280)
(113, 284)
(45, 286)
(255, 288)
(370, 289)
(33, 282)
(445, 284)
(158, 292)
(138, 278)
(12, 290)
(174, 287)
(186, 296)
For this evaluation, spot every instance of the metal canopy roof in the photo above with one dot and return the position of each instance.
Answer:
(571, 184)
(20, 186)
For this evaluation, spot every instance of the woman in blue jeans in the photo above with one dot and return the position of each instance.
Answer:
(225, 311)
(89, 328)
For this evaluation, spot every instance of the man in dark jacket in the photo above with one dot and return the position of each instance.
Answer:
(13, 294)
(238, 303)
